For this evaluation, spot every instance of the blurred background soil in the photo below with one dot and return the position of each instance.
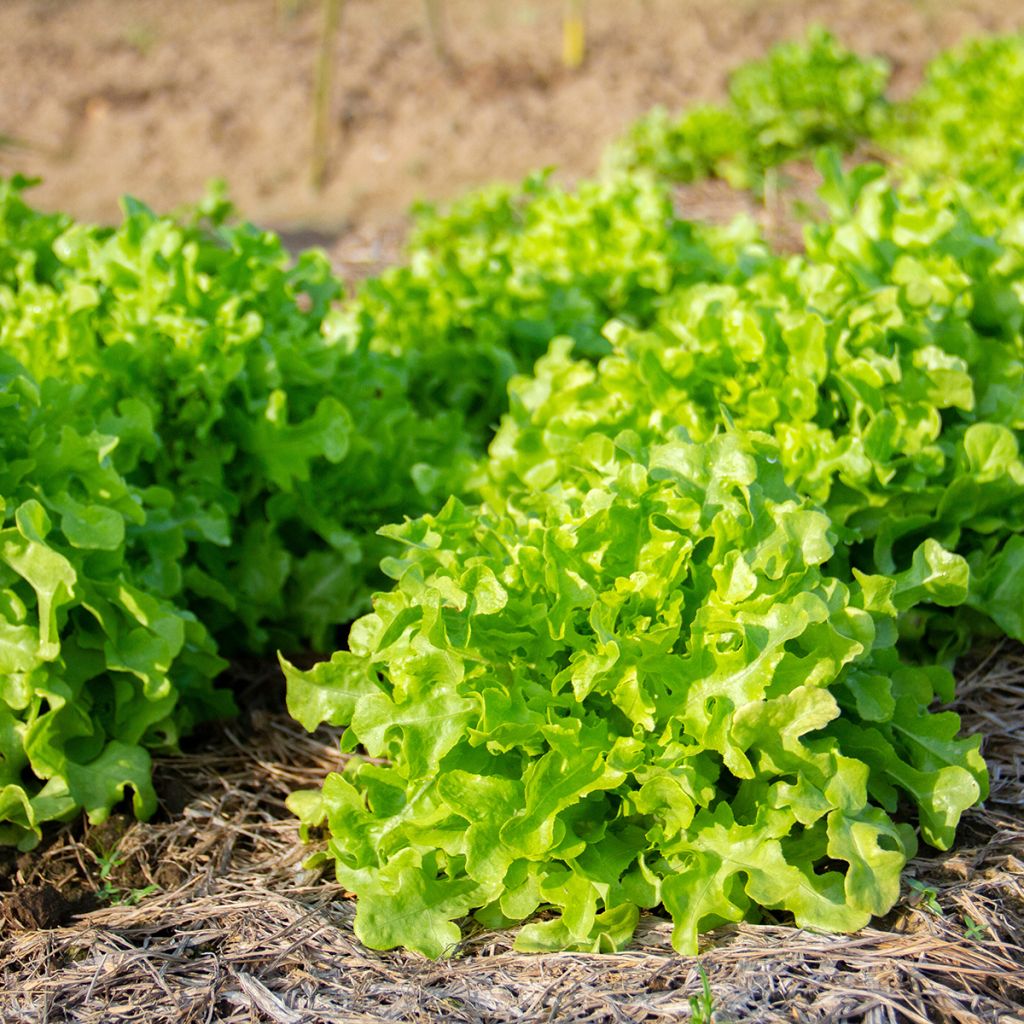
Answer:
(154, 98)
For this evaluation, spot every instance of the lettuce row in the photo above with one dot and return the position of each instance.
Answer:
(490, 281)
(878, 362)
(95, 671)
(664, 659)
(962, 122)
(264, 433)
(967, 114)
(274, 449)
(523, 748)
(802, 95)
(638, 686)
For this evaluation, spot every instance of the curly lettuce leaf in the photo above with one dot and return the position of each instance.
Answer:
(637, 686)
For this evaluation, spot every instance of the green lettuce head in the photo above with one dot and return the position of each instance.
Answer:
(637, 687)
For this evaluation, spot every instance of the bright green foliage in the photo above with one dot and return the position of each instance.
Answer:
(928, 292)
(964, 121)
(264, 434)
(800, 96)
(806, 94)
(701, 142)
(968, 113)
(94, 669)
(679, 651)
(493, 279)
(671, 643)
(187, 448)
(894, 389)
(271, 452)
(637, 686)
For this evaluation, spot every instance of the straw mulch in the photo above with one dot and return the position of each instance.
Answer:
(236, 930)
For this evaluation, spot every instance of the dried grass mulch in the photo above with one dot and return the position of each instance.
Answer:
(235, 930)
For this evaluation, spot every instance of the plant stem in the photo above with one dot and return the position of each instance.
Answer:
(574, 39)
(438, 35)
(322, 91)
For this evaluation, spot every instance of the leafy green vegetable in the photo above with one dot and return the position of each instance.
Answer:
(95, 671)
(267, 448)
(963, 122)
(189, 448)
(673, 643)
(678, 649)
(968, 113)
(701, 142)
(894, 404)
(802, 95)
(489, 282)
(806, 94)
(637, 686)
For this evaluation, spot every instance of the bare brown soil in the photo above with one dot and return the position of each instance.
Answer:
(154, 98)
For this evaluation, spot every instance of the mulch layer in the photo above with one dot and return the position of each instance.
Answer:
(209, 915)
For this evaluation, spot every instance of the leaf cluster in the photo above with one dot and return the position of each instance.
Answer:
(683, 647)
(804, 94)
(638, 686)
(273, 451)
(962, 122)
(676, 641)
(887, 363)
(96, 670)
(192, 463)
(967, 114)
(490, 281)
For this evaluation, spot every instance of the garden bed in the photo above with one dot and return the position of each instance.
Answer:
(238, 931)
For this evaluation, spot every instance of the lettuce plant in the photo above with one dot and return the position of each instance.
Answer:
(706, 141)
(491, 280)
(968, 112)
(191, 460)
(638, 686)
(804, 94)
(963, 121)
(95, 670)
(275, 449)
(887, 362)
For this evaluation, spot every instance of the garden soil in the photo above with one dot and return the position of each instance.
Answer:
(154, 98)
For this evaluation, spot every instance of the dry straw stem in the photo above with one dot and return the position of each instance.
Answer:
(322, 91)
(240, 932)
(437, 30)
(574, 34)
